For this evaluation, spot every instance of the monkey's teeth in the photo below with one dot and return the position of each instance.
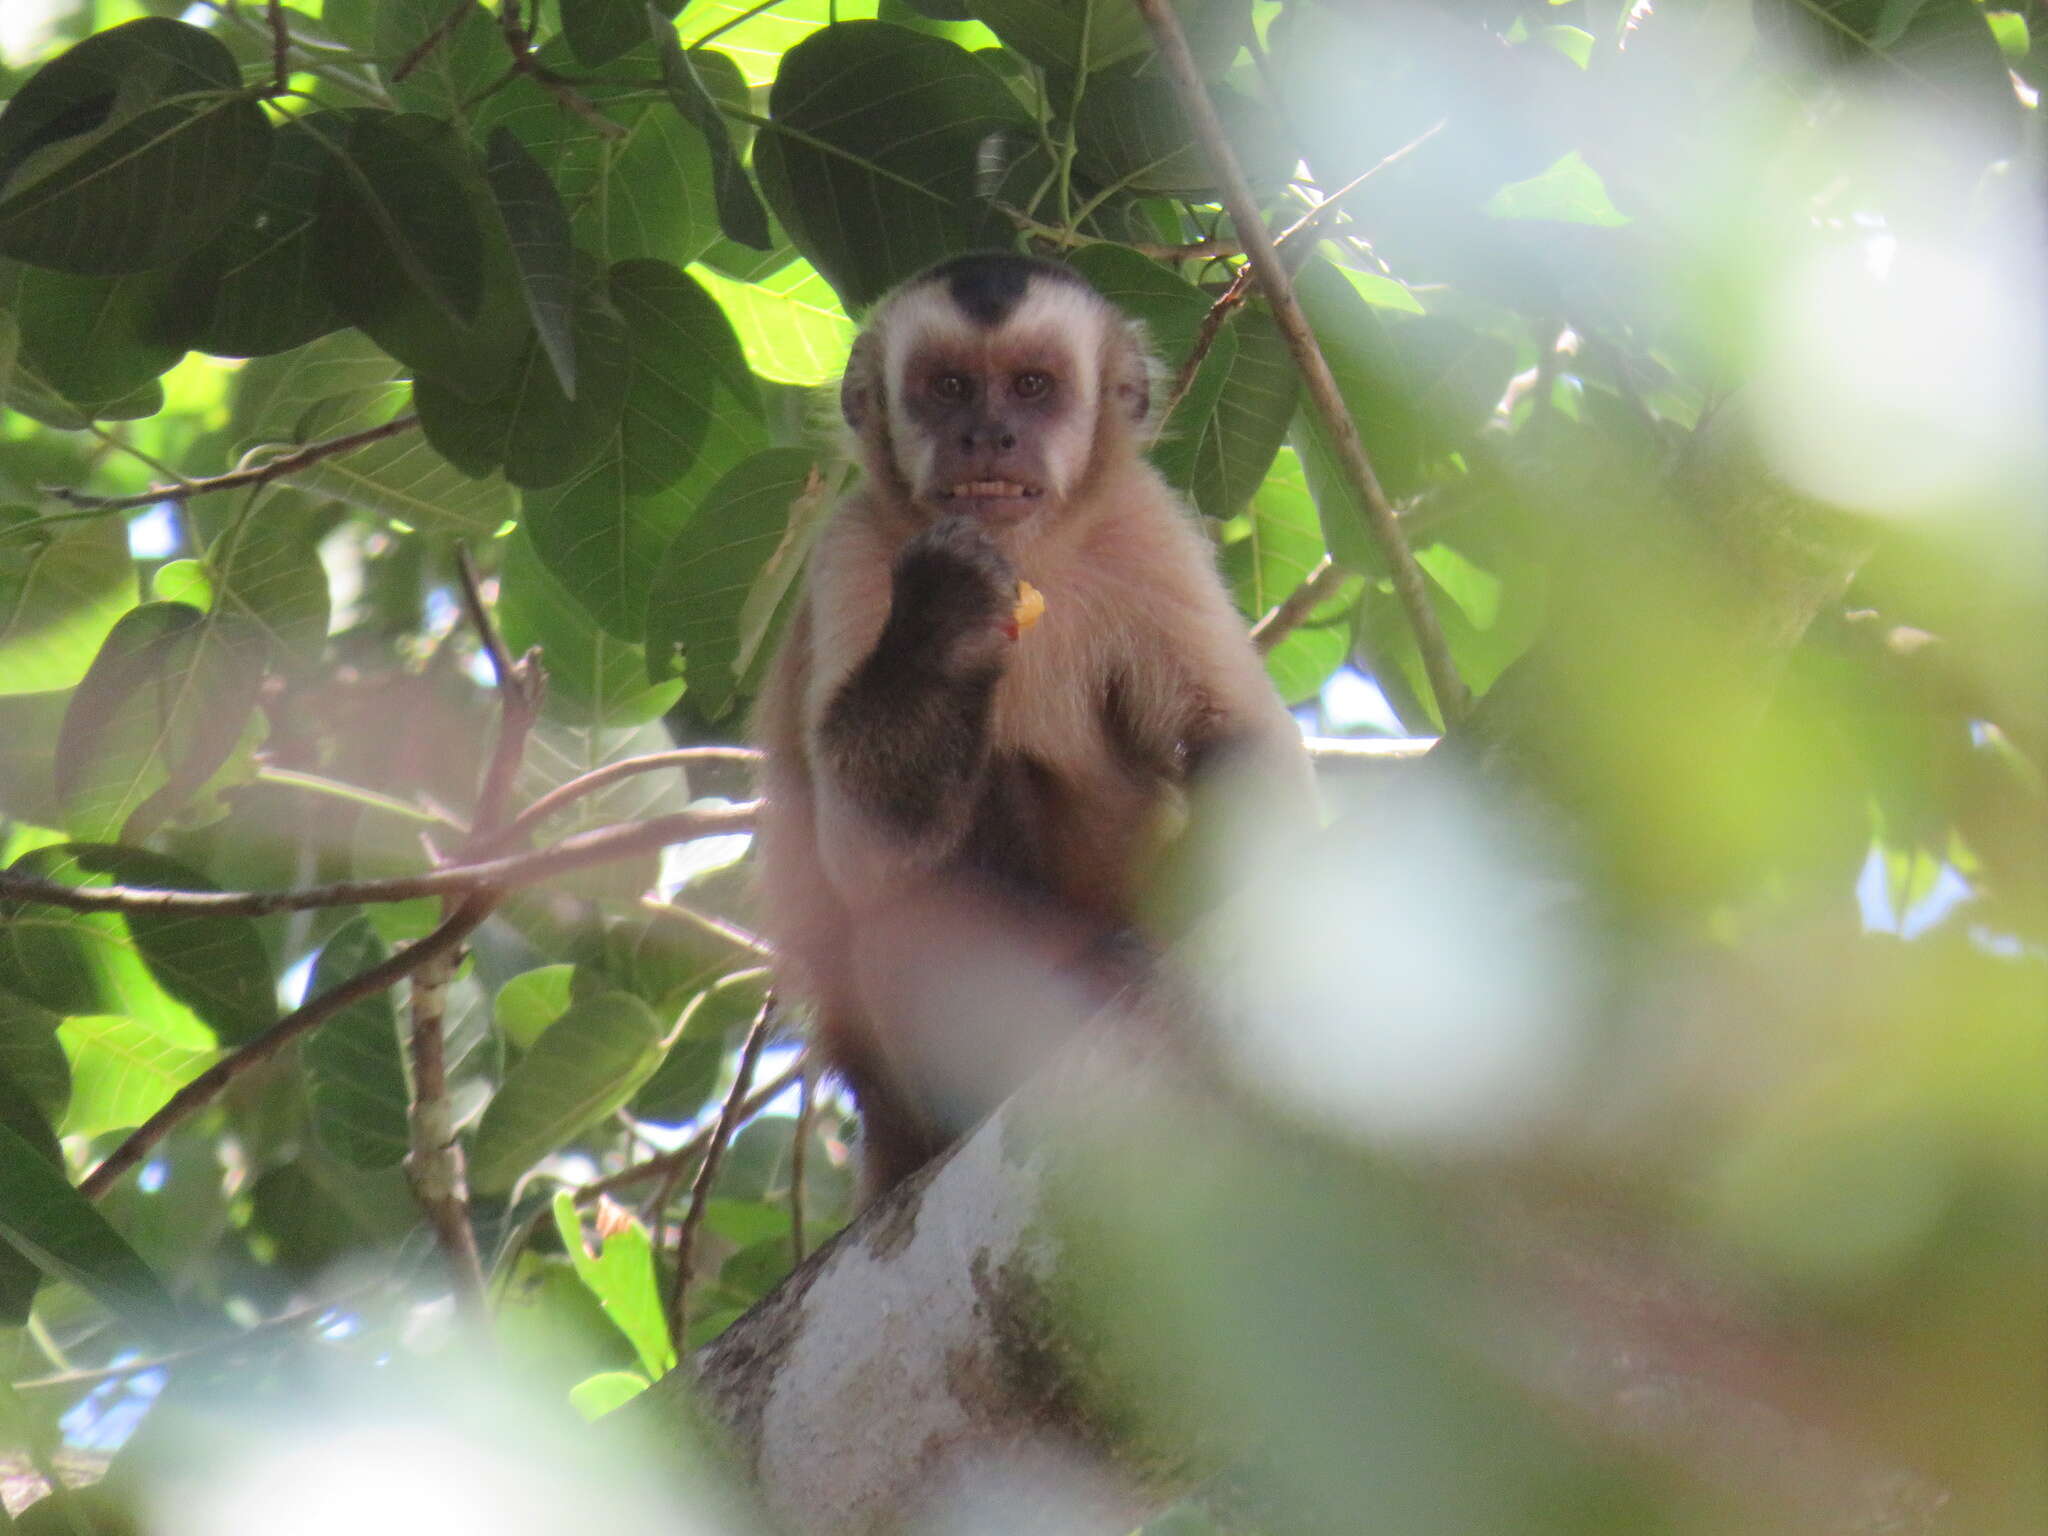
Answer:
(1003, 488)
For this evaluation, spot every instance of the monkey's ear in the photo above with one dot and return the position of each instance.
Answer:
(1127, 371)
(860, 390)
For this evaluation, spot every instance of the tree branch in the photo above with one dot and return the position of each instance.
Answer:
(730, 1113)
(1320, 583)
(660, 1167)
(1451, 696)
(202, 1090)
(589, 783)
(276, 469)
(600, 845)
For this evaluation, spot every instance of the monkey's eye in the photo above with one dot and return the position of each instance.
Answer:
(1032, 385)
(951, 387)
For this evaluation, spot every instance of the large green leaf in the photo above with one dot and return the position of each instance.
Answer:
(19, 1113)
(648, 193)
(902, 116)
(682, 346)
(257, 282)
(354, 1067)
(61, 590)
(789, 322)
(265, 567)
(122, 1072)
(43, 1217)
(94, 341)
(415, 253)
(586, 1065)
(127, 150)
(707, 572)
(623, 1277)
(536, 433)
(1131, 131)
(1281, 544)
(170, 971)
(598, 31)
(537, 225)
(1222, 441)
(449, 64)
(1071, 35)
(31, 1055)
(527, 1004)
(697, 82)
(594, 678)
(161, 708)
(1937, 48)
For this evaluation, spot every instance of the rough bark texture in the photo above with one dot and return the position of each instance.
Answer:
(912, 1363)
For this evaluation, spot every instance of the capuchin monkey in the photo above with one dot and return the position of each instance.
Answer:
(962, 804)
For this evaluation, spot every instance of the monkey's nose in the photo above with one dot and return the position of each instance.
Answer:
(989, 435)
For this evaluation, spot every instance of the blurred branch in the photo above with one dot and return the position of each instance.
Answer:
(598, 778)
(1283, 620)
(799, 1156)
(706, 922)
(1451, 695)
(276, 469)
(600, 845)
(730, 1113)
(1196, 250)
(203, 1089)
(457, 14)
(668, 1162)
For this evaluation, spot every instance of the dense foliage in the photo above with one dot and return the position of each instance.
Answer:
(1697, 346)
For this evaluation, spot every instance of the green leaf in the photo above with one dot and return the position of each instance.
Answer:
(1939, 49)
(595, 1396)
(265, 568)
(1569, 192)
(170, 971)
(354, 1068)
(161, 708)
(586, 1065)
(462, 61)
(688, 1075)
(415, 254)
(57, 1228)
(257, 282)
(1283, 542)
(646, 194)
(61, 591)
(29, 722)
(96, 340)
(789, 323)
(19, 1113)
(539, 435)
(758, 42)
(1069, 35)
(688, 78)
(598, 31)
(537, 225)
(31, 1056)
(127, 150)
(1131, 131)
(603, 543)
(527, 1004)
(594, 678)
(122, 1072)
(624, 1279)
(682, 344)
(707, 571)
(904, 115)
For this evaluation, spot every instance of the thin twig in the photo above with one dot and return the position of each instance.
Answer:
(457, 14)
(799, 1149)
(600, 845)
(598, 778)
(280, 48)
(708, 922)
(434, 1165)
(659, 1167)
(729, 1116)
(1452, 699)
(1226, 304)
(1320, 583)
(276, 469)
(202, 1090)
(1196, 250)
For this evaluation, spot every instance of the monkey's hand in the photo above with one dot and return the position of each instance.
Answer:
(953, 600)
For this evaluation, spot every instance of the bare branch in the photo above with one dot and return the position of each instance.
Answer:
(799, 1149)
(1320, 583)
(1451, 696)
(457, 13)
(598, 778)
(202, 1090)
(263, 474)
(660, 1167)
(1196, 250)
(729, 1116)
(600, 845)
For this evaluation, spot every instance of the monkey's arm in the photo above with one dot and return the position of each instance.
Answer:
(902, 742)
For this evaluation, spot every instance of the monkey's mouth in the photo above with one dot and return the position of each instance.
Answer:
(991, 490)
